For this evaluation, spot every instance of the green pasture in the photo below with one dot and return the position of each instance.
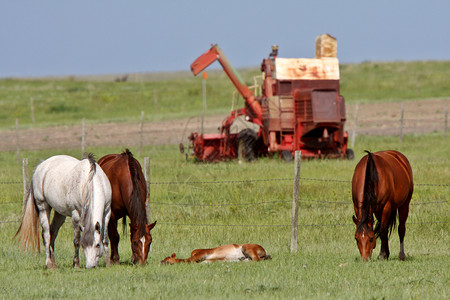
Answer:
(68, 100)
(206, 205)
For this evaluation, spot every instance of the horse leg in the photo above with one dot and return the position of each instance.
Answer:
(384, 232)
(57, 221)
(76, 238)
(114, 238)
(402, 216)
(105, 239)
(250, 252)
(44, 216)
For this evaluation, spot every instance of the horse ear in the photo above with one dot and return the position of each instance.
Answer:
(150, 227)
(173, 255)
(355, 220)
(97, 227)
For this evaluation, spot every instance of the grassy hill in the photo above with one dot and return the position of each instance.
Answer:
(58, 101)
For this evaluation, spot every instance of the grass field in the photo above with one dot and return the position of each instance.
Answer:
(206, 205)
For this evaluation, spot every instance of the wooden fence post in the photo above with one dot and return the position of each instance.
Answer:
(354, 125)
(401, 122)
(147, 181)
(205, 76)
(155, 100)
(83, 136)
(17, 141)
(25, 179)
(445, 119)
(295, 198)
(32, 110)
(141, 133)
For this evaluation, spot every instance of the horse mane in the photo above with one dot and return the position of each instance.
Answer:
(370, 197)
(137, 208)
(87, 237)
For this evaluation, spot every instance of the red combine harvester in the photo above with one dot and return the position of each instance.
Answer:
(300, 108)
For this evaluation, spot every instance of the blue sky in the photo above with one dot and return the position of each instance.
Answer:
(42, 38)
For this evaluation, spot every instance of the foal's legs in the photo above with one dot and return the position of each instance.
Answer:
(76, 238)
(57, 221)
(402, 216)
(251, 252)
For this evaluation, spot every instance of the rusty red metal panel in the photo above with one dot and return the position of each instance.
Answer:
(325, 106)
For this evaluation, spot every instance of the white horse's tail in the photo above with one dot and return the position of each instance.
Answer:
(88, 194)
(28, 231)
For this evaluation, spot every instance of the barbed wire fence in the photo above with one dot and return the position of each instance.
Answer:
(296, 200)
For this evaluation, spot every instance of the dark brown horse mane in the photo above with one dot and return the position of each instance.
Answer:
(137, 207)
(370, 199)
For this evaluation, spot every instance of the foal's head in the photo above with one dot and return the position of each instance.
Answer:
(169, 260)
(141, 241)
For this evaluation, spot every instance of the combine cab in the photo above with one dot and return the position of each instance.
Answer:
(300, 109)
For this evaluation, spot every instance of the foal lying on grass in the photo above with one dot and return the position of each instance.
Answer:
(232, 252)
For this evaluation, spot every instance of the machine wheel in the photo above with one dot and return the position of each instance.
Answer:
(349, 154)
(246, 144)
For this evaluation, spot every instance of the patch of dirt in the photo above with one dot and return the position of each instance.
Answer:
(372, 119)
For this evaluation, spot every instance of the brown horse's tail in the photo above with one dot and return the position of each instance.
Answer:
(28, 231)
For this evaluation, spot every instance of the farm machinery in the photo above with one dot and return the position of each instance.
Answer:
(299, 108)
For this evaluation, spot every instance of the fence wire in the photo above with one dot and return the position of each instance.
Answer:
(268, 202)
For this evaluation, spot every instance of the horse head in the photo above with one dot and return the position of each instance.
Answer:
(169, 260)
(92, 245)
(141, 241)
(365, 237)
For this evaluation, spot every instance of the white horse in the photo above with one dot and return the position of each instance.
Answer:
(73, 188)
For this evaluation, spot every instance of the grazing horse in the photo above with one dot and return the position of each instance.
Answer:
(382, 185)
(232, 252)
(129, 192)
(73, 188)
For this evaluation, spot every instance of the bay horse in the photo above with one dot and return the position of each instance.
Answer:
(382, 185)
(72, 188)
(129, 192)
(231, 252)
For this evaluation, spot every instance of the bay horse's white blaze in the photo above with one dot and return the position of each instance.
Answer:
(142, 239)
(76, 189)
(231, 252)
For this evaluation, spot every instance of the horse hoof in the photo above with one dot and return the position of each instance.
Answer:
(52, 266)
(402, 256)
(383, 257)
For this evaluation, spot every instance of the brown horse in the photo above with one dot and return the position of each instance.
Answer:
(232, 252)
(382, 185)
(128, 199)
